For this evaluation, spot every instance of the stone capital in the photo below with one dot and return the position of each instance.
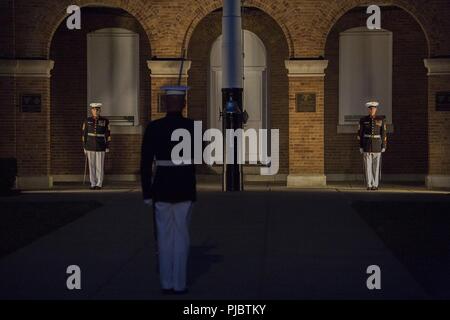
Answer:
(306, 68)
(26, 68)
(168, 68)
(438, 67)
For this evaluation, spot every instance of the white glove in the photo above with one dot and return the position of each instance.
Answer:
(383, 150)
(107, 150)
(85, 151)
(361, 150)
(148, 202)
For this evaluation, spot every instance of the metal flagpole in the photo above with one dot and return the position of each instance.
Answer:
(181, 66)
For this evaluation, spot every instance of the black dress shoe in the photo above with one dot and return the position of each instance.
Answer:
(98, 188)
(167, 291)
(181, 292)
(369, 188)
(92, 188)
(375, 188)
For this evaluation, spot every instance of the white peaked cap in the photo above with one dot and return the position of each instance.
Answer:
(96, 105)
(371, 104)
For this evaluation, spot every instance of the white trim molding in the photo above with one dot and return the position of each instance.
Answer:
(260, 178)
(124, 130)
(168, 68)
(438, 181)
(306, 68)
(108, 178)
(438, 67)
(306, 181)
(349, 177)
(26, 68)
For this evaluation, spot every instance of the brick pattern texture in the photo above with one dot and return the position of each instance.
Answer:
(49, 142)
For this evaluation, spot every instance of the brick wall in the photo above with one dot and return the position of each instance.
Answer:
(8, 117)
(306, 137)
(33, 130)
(7, 101)
(439, 129)
(256, 21)
(69, 95)
(6, 29)
(289, 29)
(408, 145)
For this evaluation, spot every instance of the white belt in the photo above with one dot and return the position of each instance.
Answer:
(169, 163)
(372, 136)
(96, 135)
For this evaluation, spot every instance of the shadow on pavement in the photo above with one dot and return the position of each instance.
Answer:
(201, 261)
(418, 234)
(24, 222)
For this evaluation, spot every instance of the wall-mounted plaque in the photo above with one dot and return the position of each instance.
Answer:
(31, 103)
(443, 101)
(306, 102)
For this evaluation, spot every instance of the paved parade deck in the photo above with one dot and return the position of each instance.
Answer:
(265, 243)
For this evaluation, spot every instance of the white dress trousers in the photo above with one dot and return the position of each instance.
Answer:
(372, 163)
(172, 223)
(96, 161)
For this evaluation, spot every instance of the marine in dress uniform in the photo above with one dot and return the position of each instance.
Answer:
(372, 136)
(171, 190)
(96, 138)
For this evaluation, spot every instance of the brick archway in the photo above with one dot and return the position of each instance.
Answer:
(142, 11)
(68, 104)
(270, 33)
(276, 11)
(409, 102)
(320, 28)
(163, 33)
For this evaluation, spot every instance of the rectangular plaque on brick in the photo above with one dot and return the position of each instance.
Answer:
(306, 102)
(31, 103)
(443, 101)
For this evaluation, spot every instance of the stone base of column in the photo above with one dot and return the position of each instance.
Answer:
(107, 178)
(438, 181)
(34, 182)
(306, 181)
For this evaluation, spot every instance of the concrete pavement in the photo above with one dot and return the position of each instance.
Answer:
(266, 243)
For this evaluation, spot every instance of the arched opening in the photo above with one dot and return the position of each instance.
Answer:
(255, 82)
(88, 65)
(266, 84)
(408, 115)
(113, 74)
